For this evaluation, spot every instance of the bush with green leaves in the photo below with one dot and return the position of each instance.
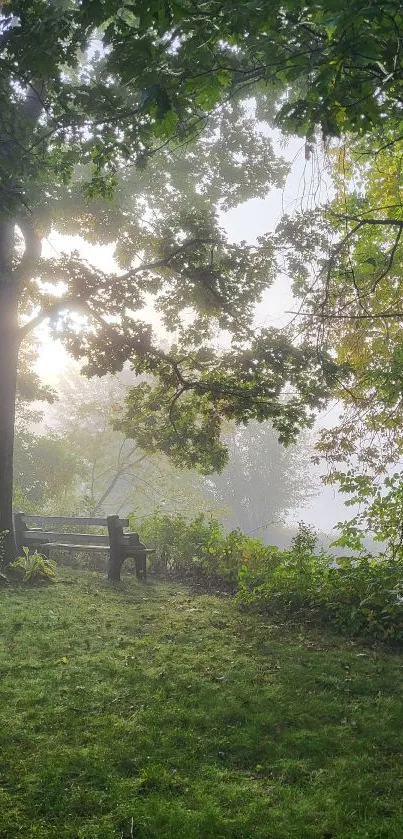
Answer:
(34, 568)
(198, 548)
(358, 595)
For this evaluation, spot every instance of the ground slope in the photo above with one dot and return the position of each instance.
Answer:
(150, 712)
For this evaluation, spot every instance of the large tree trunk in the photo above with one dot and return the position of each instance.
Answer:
(9, 342)
(10, 289)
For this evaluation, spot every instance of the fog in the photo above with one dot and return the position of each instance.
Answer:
(318, 505)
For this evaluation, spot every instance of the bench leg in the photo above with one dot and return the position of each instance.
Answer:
(116, 558)
(141, 565)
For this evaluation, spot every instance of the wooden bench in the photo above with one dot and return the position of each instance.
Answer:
(118, 544)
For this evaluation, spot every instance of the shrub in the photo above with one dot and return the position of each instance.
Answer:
(199, 548)
(34, 568)
(361, 595)
(180, 544)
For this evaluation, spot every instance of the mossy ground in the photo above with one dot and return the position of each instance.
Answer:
(150, 712)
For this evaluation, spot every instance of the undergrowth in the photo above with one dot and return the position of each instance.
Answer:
(359, 595)
(33, 568)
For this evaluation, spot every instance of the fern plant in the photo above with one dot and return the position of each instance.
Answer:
(35, 568)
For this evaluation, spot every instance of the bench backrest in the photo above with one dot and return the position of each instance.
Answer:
(68, 521)
(27, 535)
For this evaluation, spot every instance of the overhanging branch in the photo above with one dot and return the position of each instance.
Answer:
(331, 316)
(53, 309)
(361, 221)
(32, 252)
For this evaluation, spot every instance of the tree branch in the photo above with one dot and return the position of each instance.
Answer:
(32, 252)
(65, 303)
(360, 221)
(389, 264)
(114, 480)
(165, 261)
(331, 316)
(34, 102)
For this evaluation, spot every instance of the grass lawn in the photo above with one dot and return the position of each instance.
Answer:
(148, 711)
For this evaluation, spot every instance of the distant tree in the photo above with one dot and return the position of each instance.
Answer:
(113, 475)
(45, 473)
(263, 481)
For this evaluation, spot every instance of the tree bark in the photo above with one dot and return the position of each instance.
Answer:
(11, 284)
(9, 343)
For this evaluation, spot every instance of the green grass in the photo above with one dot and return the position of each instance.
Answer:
(149, 711)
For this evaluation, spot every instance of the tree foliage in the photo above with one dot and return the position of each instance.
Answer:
(111, 79)
(44, 471)
(98, 101)
(351, 302)
(183, 414)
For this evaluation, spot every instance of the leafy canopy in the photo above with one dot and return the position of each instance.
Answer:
(90, 90)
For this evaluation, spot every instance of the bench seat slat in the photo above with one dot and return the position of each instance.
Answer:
(100, 548)
(54, 536)
(38, 537)
(70, 547)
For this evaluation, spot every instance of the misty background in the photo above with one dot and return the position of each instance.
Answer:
(265, 490)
